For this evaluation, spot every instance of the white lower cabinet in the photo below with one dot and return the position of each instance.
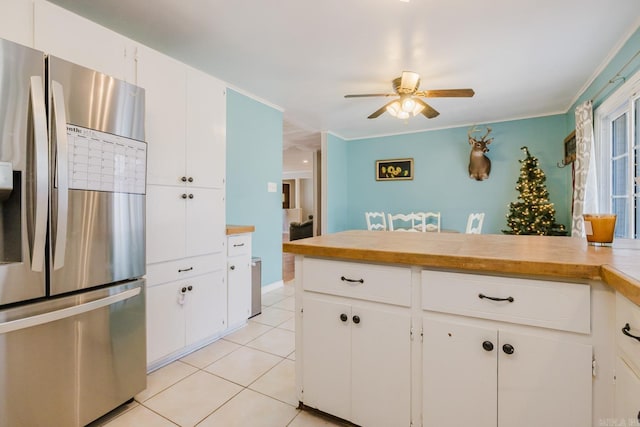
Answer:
(357, 360)
(627, 333)
(239, 278)
(184, 312)
(485, 376)
(627, 395)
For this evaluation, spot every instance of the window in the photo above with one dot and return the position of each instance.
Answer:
(618, 157)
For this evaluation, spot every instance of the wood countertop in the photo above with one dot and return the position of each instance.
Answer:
(547, 256)
(239, 229)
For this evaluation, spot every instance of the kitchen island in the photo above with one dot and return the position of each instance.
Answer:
(441, 329)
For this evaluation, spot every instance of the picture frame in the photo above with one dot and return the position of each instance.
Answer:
(569, 148)
(394, 169)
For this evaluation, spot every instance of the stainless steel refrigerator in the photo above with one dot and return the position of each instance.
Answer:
(72, 260)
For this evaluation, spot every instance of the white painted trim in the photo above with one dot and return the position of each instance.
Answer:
(463, 125)
(271, 287)
(323, 181)
(306, 174)
(254, 97)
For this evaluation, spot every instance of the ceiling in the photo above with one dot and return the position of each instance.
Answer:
(523, 58)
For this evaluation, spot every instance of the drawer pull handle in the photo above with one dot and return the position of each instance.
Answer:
(344, 279)
(236, 245)
(182, 270)
(483, 296)
(625, 331)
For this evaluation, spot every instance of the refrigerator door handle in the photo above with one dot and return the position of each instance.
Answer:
(52, 316)
(62, 174)
(42, 173)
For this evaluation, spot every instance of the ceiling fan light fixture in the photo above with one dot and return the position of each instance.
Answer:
(394, 108)
(408, 104)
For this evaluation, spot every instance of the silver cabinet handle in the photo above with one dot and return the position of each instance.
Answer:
(42, 173)
(62, 175)
(52, 316)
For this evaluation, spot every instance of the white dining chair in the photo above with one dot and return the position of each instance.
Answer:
(406, 222)
(431, 221)
(375, 224)
(474, 223)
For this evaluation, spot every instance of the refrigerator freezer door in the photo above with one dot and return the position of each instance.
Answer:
(97, 228)
(23, 207)
(69, 360)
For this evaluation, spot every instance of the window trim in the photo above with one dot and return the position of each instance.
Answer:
(621, 101)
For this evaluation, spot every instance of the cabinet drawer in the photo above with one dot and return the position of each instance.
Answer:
(184, 268)
(628, 313)
(239, 244)
(554, 305)
(372, 282)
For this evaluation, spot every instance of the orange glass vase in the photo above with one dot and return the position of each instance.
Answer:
(599, 228)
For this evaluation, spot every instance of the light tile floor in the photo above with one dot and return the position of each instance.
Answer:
(244, 379)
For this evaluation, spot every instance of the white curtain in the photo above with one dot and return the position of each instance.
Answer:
(585, 189)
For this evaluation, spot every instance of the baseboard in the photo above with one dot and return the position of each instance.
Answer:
(272, 286)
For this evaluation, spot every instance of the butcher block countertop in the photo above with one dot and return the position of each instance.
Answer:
(546, 256)
(239, 229)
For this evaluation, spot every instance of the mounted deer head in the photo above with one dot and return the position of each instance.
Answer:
(479, 164)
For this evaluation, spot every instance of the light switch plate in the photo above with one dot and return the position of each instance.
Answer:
(272, 187)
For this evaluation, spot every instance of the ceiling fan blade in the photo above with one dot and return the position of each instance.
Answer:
(380, 110)
(429, 112)
(446, 93)
(409, 81)
(364, 95)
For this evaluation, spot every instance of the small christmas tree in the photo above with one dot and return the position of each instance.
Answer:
(532, 213)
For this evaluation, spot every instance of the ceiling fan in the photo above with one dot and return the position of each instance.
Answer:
(409, 103)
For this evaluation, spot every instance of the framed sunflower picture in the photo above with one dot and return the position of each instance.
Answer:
(394, 169)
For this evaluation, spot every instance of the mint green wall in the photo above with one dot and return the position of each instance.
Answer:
(254, 158)
(337, 180)
(441, 181)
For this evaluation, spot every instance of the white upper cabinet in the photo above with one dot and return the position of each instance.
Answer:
(186, 122)
(16, 21)
(164, 81)
(206, 130)
(71, 37)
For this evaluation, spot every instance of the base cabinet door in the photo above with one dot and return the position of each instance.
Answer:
(357, 362)
(206, 313)
(380, 344)
(165, 321)
(460, 375)
(239, 288)
(490, 377)
(543, 382)
(627, 410)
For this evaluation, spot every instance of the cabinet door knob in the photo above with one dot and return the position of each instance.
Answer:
(356, 319)
(190, 179)
(183, 290)
(508, 348)
(626, 330)
(189, 288)
(184, 196)
(487, 345)
(233, 267)
(190, 196)
(183, 179)
(344, 317)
